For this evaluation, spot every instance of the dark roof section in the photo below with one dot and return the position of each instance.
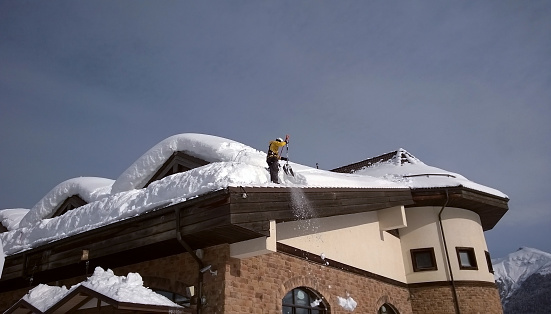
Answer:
(399, 154)
(71, 202)
(178, 162)
(230, 215)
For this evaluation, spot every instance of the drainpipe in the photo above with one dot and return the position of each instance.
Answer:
(195, 257)
(455, 300)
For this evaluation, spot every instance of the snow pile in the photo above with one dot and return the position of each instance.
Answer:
(44, 297)
(347, 303)
(207, 147)
(88, 188)
(512, 270)
(11, 217)
(406, 169)
(119, 288)
(125, 288)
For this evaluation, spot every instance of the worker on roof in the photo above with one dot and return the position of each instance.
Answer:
(273, 157)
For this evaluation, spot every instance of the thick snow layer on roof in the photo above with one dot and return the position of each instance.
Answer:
(43, 296)
(125, 288)
(119, 288)
(232, 164)
(171, 190)
(415, 174)
(11, 217)
(206, 147)
(89, 189)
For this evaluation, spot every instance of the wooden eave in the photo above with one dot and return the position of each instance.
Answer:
(22, 307)
(489, 207)
(231, 215)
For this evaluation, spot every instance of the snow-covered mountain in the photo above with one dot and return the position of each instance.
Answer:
(524, 281)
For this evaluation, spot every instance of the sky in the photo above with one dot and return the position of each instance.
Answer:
(87, 87)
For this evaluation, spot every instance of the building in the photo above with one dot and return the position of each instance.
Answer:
(198, 219)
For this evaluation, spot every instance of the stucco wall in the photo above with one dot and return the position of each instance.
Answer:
(462, 228)
(354, 240)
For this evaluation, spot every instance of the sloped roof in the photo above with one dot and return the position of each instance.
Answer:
(103, 288)
(402, 167)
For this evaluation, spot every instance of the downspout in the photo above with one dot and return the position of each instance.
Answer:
(195, 257)
(455, 300)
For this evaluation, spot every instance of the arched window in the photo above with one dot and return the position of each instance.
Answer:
(302, 300)
(387, 309)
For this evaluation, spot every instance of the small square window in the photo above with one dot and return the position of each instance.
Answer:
(466, 258)
(423, 259)
(489, 262)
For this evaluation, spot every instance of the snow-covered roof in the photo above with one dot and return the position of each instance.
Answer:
(404, 168)
(232, 164)
(206, 147)
(11, 217)
(119, 288)
(90, 189)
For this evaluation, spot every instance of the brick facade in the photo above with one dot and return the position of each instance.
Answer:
(258, 284)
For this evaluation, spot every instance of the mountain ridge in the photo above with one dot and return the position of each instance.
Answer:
(524, 280)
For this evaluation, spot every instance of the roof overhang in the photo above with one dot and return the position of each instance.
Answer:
(489, 207)
(230, 215)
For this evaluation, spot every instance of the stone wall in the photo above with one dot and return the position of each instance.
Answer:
(473, 297)
(258, 285)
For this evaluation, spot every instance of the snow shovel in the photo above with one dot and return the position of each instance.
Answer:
(286, 167)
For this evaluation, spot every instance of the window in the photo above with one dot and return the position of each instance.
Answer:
(466, 258)
(387, 309)
(489, 262)
(303, 301)
(423, 259)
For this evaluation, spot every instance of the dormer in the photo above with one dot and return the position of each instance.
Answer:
(177, 162)
(71, 202)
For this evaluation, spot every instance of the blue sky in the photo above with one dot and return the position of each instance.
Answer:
(86, 87)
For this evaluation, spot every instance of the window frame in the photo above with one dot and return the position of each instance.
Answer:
(430, 251)
(489, 262)
(324, 309)
(470, 254)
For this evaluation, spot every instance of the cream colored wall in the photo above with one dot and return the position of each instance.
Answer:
(350, 239)
(462, 228)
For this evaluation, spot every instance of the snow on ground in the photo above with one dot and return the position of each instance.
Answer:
(231, 164)
(119, 288)
(416, 174)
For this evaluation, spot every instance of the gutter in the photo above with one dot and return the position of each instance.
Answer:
(195, 257)
(454, 290)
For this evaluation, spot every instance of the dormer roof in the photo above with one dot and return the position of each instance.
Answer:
(67, 195)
